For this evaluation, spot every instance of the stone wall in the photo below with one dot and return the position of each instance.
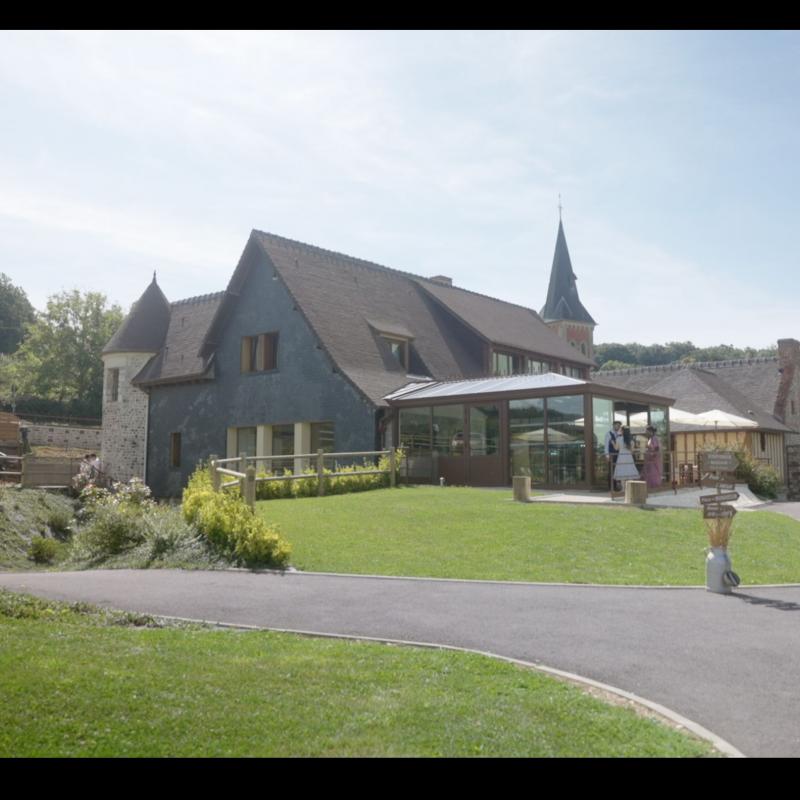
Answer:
(124, 419)
(67, 436)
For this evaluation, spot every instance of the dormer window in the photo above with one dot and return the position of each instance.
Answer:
(396, 335)
(259, 353)
(399, 348)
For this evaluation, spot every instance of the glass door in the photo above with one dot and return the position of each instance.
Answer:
(485, 462)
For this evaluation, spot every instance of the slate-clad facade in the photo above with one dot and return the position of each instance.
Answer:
(346, 333)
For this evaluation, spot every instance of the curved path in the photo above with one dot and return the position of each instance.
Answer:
(729, 663)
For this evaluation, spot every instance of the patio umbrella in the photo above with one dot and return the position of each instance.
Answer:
(681, 417)
(722, 419)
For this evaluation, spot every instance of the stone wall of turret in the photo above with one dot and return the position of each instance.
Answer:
(124, 419)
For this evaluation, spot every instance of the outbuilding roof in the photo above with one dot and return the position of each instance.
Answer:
(745, 387)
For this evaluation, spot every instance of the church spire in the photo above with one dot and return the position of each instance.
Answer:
(563, 311)
(563, 302)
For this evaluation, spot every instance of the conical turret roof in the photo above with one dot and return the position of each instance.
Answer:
(145, 327)
(562, 295)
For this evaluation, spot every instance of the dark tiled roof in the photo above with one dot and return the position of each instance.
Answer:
(738, 387)
(179, 358)
(349, 302)
(143, 330)
(504, 323)
(342, 298)
(562, 294)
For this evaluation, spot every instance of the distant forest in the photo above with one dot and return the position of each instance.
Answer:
(619, 356)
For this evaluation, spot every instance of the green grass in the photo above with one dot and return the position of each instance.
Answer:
(76, 682)
(474, 533)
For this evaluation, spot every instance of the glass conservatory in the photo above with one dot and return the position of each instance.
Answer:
(550, 427)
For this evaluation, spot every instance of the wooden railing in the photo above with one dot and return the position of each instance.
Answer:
(246, 479)
(7, 474)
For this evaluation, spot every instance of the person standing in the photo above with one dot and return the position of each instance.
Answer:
(625, 469)
(612, 452)
(652, 459)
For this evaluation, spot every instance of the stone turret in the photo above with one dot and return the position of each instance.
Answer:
(125, 407)
(563, 311)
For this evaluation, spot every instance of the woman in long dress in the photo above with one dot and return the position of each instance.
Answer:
(625, 469)
(652, 459)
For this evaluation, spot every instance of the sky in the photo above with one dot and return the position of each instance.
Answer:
(440, 153)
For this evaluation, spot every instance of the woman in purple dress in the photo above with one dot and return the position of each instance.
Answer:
(652, 459)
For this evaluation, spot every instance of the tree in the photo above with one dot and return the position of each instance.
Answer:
(60, 357)
(15, 313)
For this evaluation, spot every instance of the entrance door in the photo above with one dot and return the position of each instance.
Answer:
(484, 455)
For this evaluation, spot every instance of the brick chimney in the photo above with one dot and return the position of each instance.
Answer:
(787, 402)
(442, 280)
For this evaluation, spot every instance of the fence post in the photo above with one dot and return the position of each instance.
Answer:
(248, 486)
(212, 470)
(242, 462)
(392, 467)
(320, 473)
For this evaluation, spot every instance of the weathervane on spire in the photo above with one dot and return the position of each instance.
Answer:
(559, 206)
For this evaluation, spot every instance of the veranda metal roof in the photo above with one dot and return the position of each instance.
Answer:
(489, 386)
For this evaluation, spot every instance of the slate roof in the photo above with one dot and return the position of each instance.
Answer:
(348, 303)
(562, 293)
(179, 358)
(143, 330)
(346, 300)
(746, 387)
(504, 323)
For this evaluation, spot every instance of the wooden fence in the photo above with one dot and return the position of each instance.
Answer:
(36, 472)
(220, 468)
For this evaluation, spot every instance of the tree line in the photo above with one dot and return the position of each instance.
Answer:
(50, 360)
(613, 355)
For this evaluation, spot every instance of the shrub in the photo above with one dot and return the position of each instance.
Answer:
(112, 529)
(227, 523)
(259, 544)
(60, 522)
(166, 532)
(44, 551)
(307, 483)
(220, 517)
(765, 480)
(133, 493)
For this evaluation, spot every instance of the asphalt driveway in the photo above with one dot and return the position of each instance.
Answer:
(729, 663)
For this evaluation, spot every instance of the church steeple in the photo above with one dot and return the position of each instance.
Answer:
(563, 310)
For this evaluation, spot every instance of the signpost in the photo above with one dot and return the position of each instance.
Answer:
(725, 497)
(718, 512)
(723, 461)
(720, 468)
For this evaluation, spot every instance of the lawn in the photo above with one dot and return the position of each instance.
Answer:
(79, 682)
(478, 534)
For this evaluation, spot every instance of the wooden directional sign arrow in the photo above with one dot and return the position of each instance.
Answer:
(718, 512)
(726, 497)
